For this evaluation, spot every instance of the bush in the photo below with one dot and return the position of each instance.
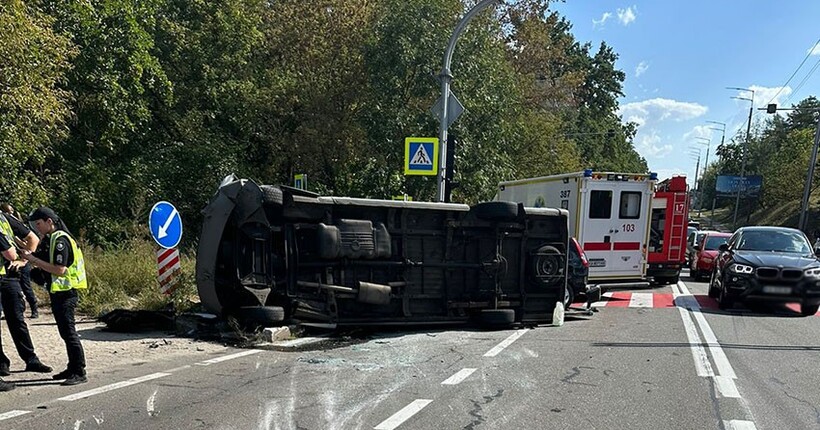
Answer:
(126, 277)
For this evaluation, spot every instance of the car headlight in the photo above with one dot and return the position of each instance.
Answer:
(812, 273)
(707, 260)
(741, 268)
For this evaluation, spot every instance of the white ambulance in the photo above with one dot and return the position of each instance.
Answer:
(609, 215)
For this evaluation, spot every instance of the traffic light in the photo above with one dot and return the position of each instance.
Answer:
(771, 108)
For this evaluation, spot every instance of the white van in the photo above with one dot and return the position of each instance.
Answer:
(609, 213)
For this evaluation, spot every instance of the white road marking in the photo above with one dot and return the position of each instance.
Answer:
(505, 343)
(702, 364)
(726, 387)
(112, 387)
(739, 425)
(177, 369)
(724, 381)
(12, 414)
(604, 300)
(228, 357)
(722, 363)
(641, 300)
(403, 415)
(458, 377)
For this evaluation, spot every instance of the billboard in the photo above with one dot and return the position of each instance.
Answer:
(749, 186)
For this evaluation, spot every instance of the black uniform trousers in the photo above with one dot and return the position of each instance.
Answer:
(63, 304)
(25, 284)
(12, 304)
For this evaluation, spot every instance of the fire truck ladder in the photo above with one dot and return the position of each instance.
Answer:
(678, 222)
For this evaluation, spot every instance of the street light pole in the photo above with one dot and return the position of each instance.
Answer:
(804, 211)
(446, 77)
(705, 166)
(722, 137)
(745, 148)
(695, 156)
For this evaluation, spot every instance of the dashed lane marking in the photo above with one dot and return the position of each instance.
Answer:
(458, 377)
(111, 387)
(12, 414)
(739, 425)
(505, 343)
(403, 415)
(228, 357)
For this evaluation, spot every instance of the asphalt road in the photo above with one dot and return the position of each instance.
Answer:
(660, 358)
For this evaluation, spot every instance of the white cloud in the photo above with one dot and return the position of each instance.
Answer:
(814, 50)
(697, 131)
(649, 145)
(600, 22)
(626, 16)
(668, 173)
(764, 94)
(660, 109)
(637, 120)
(642, 67)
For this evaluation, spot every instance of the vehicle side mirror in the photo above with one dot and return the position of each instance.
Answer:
(723, 247)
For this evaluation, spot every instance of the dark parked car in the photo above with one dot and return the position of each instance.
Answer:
(577, 274)
(269, 253)
(771, 264)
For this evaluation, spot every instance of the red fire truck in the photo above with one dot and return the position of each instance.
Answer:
(667, 234)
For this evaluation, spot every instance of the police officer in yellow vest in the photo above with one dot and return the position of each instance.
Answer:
(59, 256)
(15, 233)
(7, 253)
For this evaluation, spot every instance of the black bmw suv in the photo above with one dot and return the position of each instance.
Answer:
(771, 264)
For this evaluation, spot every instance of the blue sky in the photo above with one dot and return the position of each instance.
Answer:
(680, 55)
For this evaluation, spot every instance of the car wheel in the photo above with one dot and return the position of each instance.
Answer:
(271, 195)
(809, 310)
(713, 291)
(547, 266)
(496, 318)
(264, 316)
(724, 302)
(496, 211)
(569, 297)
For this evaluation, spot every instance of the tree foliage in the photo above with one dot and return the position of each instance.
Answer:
(133, 101)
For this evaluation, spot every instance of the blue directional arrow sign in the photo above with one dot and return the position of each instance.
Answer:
(165, 224)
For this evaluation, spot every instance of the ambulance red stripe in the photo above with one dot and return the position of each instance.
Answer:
(627, 246)
(597, 246)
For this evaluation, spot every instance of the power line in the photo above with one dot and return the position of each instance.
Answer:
(808, 54)
(805, 79)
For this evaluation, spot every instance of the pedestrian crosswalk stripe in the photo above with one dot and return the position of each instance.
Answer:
(626, 299)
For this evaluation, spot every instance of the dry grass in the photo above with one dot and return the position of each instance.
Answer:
(126, 277)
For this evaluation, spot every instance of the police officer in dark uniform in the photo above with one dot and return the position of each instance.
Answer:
(24, 272)
(7, 253)
(62, 262)
(16, 233)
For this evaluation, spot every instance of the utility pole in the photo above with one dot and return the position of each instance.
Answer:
(705, 166)
(804, 204)
(446, 77)
(742, 184)
(722, 137)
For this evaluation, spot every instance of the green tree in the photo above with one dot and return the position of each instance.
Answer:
(34, 106)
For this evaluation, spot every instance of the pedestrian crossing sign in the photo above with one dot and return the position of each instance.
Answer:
(421, 156)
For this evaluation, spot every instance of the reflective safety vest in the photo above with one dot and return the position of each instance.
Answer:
(5, 230)
(74, 277)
